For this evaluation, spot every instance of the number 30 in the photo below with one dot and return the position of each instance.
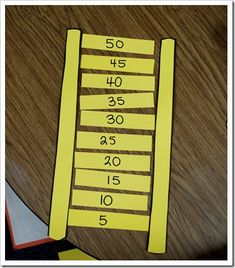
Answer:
(112, 119)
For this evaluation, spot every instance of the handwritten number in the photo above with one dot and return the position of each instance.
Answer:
(120, 101)
(112, 140)
(117, 82)
(119, 63)
(107, 200)
(113, 102)
(103, 220)
(115, 180)
(118, 119)
(103, 140)
(115, 161)
(110, 118)
(110, 43)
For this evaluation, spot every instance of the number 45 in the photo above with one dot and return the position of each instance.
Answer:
(120, 63)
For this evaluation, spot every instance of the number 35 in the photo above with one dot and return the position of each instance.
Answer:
(113, 102)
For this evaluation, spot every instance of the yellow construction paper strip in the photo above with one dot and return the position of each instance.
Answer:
(117, 120)
(114, 141)
(66, 139)
(158, 222)
(74, 254)
(109, 200)
(111, 220)
(112, 180)
(112, 161)
(114, 101)
(118, 64)
(111, 81)
(120, 44)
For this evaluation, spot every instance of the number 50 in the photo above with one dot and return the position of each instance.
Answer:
(110, 43)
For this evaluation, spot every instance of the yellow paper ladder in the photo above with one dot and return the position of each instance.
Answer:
(66, 138)
(158, 219)
(61, 215)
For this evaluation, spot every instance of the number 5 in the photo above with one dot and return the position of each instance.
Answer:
(121, 63)
(109, 44)
(102, 220)
(120, 100)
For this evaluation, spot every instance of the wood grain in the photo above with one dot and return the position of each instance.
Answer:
(35, 42)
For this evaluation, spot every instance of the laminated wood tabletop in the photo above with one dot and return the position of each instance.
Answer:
(35, 46)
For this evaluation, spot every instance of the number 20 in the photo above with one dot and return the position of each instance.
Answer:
(115, 161)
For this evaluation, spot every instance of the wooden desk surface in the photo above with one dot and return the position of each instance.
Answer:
(35, 43)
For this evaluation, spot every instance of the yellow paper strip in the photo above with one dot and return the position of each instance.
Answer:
(111, 81)
(112, 161)
(119, 44)
(113, 141)
(111, 220)
(112, 180)
(109, 200)
(121, 64)
(158, 223)
(117, 120)
(66, 139)
(74, 254)
(114, 101)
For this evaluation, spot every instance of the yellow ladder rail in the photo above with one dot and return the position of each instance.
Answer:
(66, 138)
(162, 154)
